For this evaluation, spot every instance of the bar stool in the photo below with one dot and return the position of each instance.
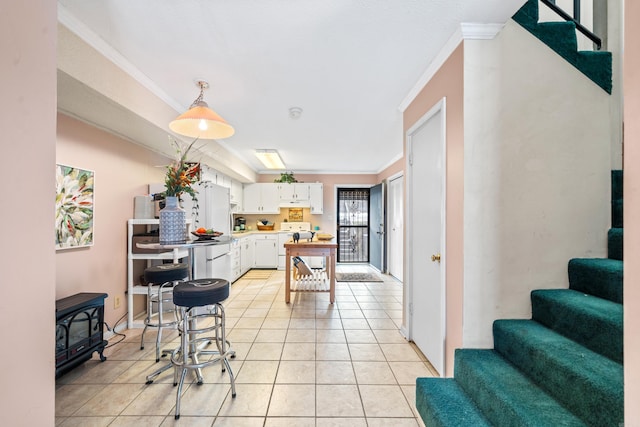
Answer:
(190, 299)
(160, 281)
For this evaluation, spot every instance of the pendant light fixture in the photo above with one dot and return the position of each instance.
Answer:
(200, 121)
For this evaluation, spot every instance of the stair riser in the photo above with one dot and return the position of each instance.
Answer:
(595, 397)
(596, 66)
(528, 14)
(597, 328)
(601, 278)
(472, 382)
(617, 214)
(617, 183)
(499, 391)
(441, 403)
(615, 242)
(559, 36)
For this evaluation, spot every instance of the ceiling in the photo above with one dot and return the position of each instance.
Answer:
(348, 64)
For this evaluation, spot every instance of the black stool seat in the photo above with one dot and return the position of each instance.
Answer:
(166, 273)
(200, 292)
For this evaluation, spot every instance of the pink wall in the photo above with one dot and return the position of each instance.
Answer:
(448, 82)
(631, 212)
(122, 171)
(397, 166)
(28, 123)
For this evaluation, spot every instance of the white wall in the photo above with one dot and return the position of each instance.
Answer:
(28, 123)
(537, 175)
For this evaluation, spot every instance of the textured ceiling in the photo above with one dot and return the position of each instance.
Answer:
(347, 64)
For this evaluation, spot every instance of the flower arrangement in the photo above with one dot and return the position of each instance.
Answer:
(181, 175)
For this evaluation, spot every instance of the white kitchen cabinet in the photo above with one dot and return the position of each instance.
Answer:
(235, 260)
(294, 192)
(235, 196)
(283, 237)
(316, 198)
(247, 254)
(266, 250)
(261, 198)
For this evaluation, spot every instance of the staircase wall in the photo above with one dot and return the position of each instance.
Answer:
(536, 176)
(631, 213)
(604, 18)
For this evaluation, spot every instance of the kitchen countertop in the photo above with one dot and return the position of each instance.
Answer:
(240, 234)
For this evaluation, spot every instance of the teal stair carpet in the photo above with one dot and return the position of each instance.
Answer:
(562, 367)
(561, 37)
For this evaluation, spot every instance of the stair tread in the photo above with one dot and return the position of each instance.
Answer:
(593, 322)
(504, 394)
(560, 366)
(441, 402)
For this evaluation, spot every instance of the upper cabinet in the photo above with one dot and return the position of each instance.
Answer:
(316, 198)
(261, 198)
(294, 195)
(267, 198)
(236, 196)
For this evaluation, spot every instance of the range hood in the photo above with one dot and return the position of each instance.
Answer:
(295, 204)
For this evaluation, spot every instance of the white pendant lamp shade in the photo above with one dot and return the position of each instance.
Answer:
(200, 121)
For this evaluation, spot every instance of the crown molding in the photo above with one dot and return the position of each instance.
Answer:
(473, 31)
(465, 31)
(92, 39)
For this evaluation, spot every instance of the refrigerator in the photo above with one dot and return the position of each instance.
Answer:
(213, 211)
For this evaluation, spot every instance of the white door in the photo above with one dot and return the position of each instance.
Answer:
(395, 227)
(425, 235)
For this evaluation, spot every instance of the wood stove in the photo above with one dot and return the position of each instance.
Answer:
(79, 330)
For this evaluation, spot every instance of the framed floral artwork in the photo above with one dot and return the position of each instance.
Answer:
(74, 207)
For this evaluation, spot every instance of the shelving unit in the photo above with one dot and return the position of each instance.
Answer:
(133, 287)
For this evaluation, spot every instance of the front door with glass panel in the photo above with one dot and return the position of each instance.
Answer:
(353, 225)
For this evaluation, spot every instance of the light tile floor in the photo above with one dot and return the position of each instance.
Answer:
(307, 363)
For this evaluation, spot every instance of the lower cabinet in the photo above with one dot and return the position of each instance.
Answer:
(235, 260)
(266, 251)
(247, 258)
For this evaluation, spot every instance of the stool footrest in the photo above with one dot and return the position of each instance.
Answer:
(188, 297)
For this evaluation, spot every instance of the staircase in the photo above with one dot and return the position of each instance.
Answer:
(561, 37)
(563, 367)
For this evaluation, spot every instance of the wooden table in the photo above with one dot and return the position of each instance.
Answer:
(315, 248)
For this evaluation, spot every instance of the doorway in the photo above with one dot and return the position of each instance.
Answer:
(426, 143)
(395, 221)
(353, 225)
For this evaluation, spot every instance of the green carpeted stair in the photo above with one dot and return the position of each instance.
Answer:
(561, 37)
(561, 368)
(593, 322)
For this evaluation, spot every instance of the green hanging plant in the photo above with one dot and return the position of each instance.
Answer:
(286, 177)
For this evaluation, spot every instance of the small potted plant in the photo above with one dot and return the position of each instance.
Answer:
(286, 177)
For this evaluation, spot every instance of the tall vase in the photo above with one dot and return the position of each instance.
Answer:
(173, 223)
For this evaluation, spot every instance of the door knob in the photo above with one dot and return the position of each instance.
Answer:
(435, 258)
